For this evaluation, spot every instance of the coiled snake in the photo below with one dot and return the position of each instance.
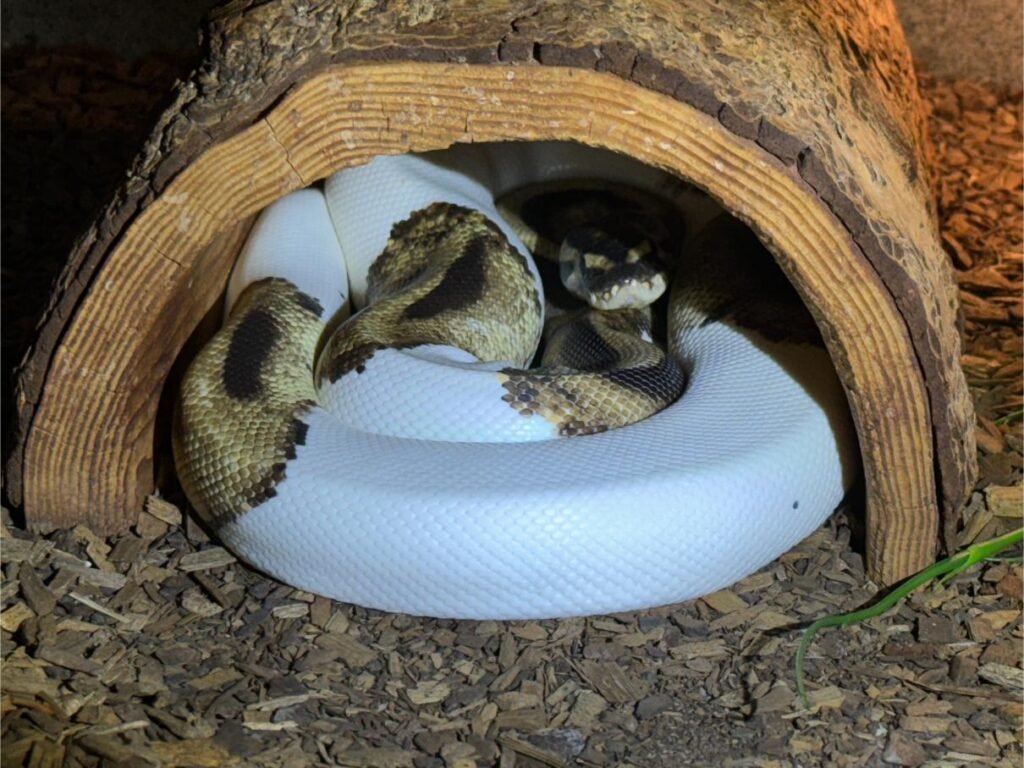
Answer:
(408, 458)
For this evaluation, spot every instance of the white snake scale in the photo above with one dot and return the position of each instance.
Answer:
(375, 488)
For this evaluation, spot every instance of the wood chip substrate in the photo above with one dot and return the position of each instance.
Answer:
(157, 648)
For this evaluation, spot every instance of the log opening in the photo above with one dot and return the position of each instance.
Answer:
(98, 466)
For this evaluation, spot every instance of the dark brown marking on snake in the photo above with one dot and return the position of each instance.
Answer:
(584, 348)
(354, 359)
(300, 430)
(309, 303)
(580, 428)
(555, 292)
(553, 214)
(435, 212)
(662, 381)
(611, 238)
(265, 486)
(251, 345)
(461, 286)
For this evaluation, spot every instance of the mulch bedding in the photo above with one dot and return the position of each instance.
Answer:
(157, 648)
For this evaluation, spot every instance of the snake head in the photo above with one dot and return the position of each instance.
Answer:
(612, 266)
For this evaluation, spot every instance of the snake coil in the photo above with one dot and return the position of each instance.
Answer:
(406, 458)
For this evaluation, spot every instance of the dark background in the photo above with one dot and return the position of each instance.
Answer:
(132, 28)
(83, 82)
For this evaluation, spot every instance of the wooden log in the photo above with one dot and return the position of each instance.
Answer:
(801, 116)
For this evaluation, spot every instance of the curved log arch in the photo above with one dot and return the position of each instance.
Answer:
(800, 116)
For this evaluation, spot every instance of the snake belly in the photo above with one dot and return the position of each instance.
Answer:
(304, 448)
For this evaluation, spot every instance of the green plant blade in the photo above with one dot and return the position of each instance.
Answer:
(947, 569)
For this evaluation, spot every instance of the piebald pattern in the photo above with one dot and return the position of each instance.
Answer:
(254, 373)
(448, 276)
(375, 461)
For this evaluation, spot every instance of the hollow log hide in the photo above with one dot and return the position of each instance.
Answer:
(802, 117)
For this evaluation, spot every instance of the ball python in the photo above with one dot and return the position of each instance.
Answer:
(407, 458)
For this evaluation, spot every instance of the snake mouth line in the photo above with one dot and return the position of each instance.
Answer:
(629, 294)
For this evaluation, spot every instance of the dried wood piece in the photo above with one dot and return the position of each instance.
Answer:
(163, 510)
(382, 757)
(725, 601)
(281, 702)
(531, 631)
(517, 700)
(193, 601)
(68, 660)
(700, 649)
(929, 706)
(531, 719)
(542, 756)
(988, 442)
(586, 710)
(194, 752)
(930, 725)
(1002, 675)
(1005, 501)
(36, 595)
(902, 749)
(94, 577)
(977, 308)
(320, 611)
(111, 749)
(216, 679)
(20, 550)
(150, 527)
(987, 278)
(127, 549)
(290, 611)
(429, 692)
(829, 697)
(177, 726)
(205, 560)
(652, 706)
(961, 257)
(280, 725)
(613, 682)
(13, 617)
(213, 590)
(345, 647)
(95, 547)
